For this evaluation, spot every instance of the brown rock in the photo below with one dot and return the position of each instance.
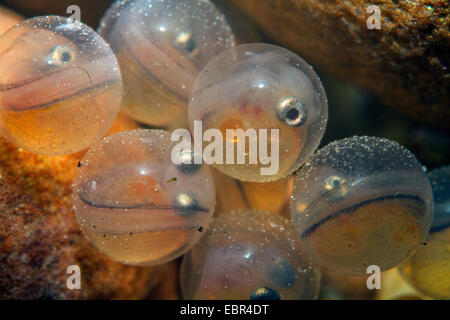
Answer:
(405, 63)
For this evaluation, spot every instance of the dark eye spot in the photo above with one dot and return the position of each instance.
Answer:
(185, 40)
(265, 293)
(292, 111)
(292, 114)
(334, 188)
(60, 55)
(187, 204)
(189, 161)
(66, 57)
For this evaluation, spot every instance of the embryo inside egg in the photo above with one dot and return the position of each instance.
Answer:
(361, 201)
(161, 47)
(248, 254)
(262, 87)
(60, 86)
(135, 205)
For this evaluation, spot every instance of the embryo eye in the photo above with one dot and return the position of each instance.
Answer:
(60, 55)
(186, 41)
(292, 111)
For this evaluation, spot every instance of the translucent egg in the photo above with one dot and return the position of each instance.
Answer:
(135, 205)
(428, 270)
(60, 86)
(249, 255)
(266, 90)
(161, 46)
(359, 202)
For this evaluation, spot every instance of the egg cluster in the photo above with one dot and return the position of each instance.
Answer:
(142, 200)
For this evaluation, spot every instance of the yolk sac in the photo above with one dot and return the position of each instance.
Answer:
(249, 255)
(134, 204)
(359, 202)
(261, 87)
(428, 270)
(60, 86)
(161, 47)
